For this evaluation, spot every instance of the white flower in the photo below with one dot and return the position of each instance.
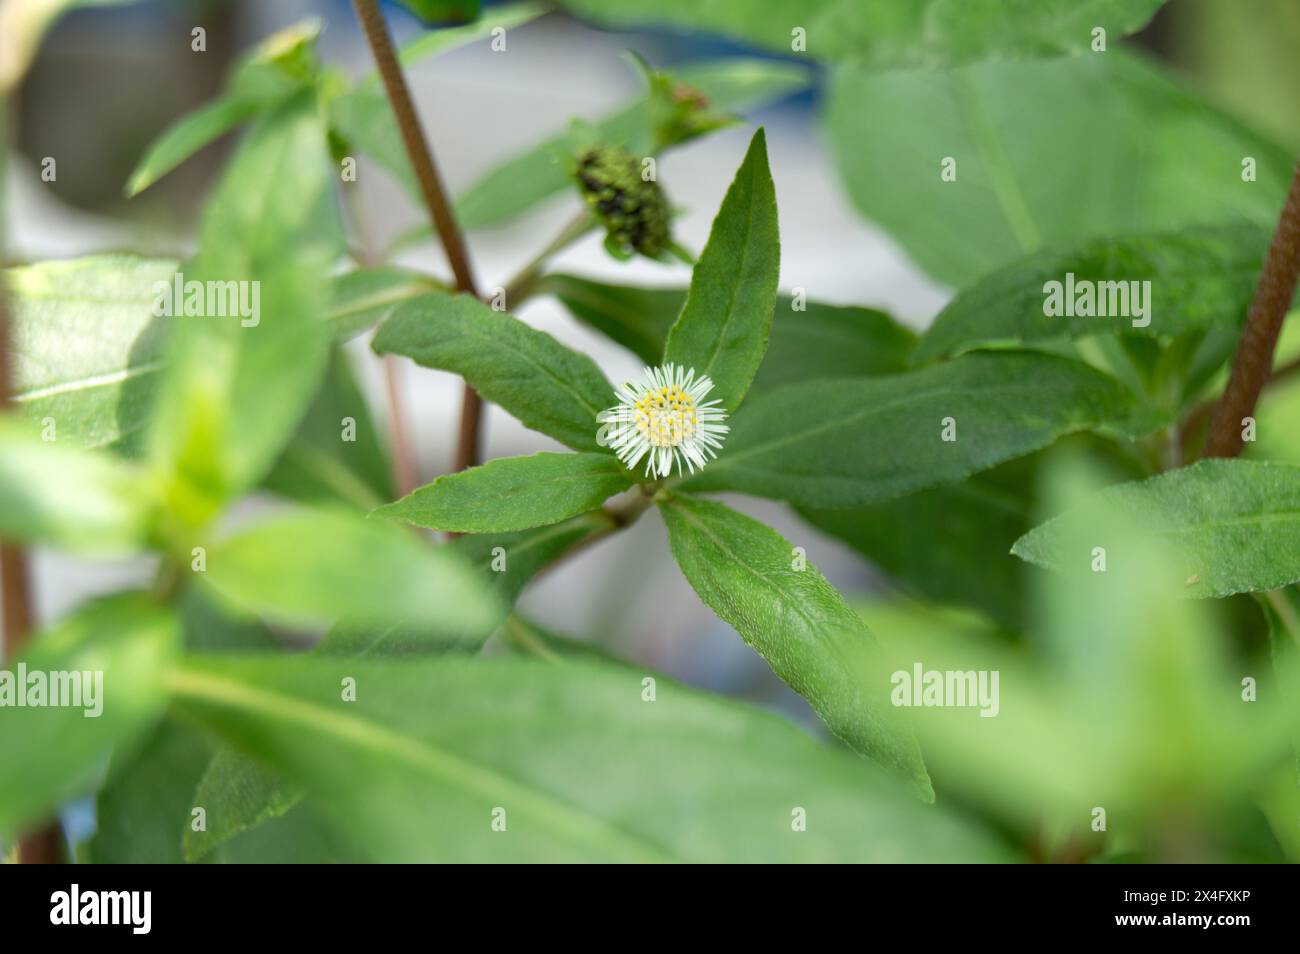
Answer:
(665, 416)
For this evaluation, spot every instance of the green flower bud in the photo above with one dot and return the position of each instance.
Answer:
(634, 211)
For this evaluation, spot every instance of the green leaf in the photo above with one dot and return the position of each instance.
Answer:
(363, 117)
(978, 520)
(235, 387)
(1091, 120)
(749, 575)
(545, 385)
(508, 561)
(1197, 278)
(885, 34)
(147, 800)
(64, 496)
(512, 493)
(317, 566)
(279, 67)
(852, 441)
(723, 328)
(365, 297)
(123, 648)
(686, 778)
(1229, 526)
(437, 11)
(816, 341)
(336, 456)
(521, 182)
(86, 345)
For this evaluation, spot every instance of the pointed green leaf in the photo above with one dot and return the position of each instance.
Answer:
(748, 574)
(310, 567)
(235, 386)
(1229, 526)
(549, 387)
(724, 325)
(846, 442)
(415, 768)
(122, 650)
(512, 493)
(1194, 279)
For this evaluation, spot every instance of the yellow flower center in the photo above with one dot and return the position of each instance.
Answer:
(666, 417)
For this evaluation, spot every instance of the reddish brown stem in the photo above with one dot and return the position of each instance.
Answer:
(1254, 358)
(435, 197)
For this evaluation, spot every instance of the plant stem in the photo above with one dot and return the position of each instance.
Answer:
(1254, 358)
(44, 845)
(522, 285)
(1202, 412)
(435, 198)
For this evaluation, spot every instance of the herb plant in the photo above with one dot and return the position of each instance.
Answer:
(1124, 652)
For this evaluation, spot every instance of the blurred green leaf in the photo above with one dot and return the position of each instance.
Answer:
(521, 182)
(122, 649)
(68, 497)
(851, 441)
(623, 779)
(547, 386)
(790, 615)
(364, 297)
(336, 456)
(437, 11)
(816, 341)
(318, 566)
(512, 493)
(1229, 526)
(975, 523)
(723, 328)
(509, 561)
(1198, 277)
(86, 345)
(885, 34)
(280, 66)
(1093, 120)
(234, 387)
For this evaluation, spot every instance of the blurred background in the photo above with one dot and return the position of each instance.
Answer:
(107, 81)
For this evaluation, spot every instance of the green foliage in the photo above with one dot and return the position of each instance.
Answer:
(317, 566)
(1198, 278)
(397, 785)
(237, 451)
(806, 341)
(1229, 526)
(753, 578)
(87, 344)
(50, 752)
(723, 328)
(841, 443)
(548, 387)
(885, 34)
(512, 493)
(1093, 120)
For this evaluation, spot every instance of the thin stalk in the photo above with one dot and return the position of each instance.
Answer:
(1254, 358)
(518, 289)
(435, 198)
